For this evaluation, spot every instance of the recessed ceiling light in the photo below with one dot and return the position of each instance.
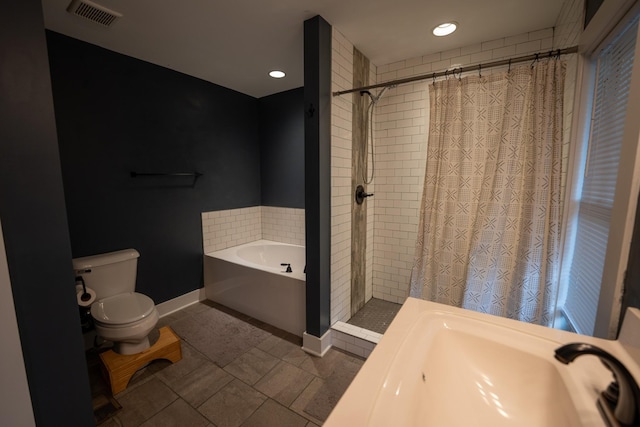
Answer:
(445, 29)
(277, 74)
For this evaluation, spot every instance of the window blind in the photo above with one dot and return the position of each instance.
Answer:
(613, 77)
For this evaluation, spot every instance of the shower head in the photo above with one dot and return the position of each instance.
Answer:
(363, 92)
(377, 98)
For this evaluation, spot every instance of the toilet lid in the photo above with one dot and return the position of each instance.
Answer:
(122, 308)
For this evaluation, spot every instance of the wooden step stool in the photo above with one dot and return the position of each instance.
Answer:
(119, 368)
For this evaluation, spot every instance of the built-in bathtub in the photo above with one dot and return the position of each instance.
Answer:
(250, 279)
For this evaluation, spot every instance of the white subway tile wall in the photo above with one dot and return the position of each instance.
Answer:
(232, 227)
(227, 228)
(341, 132)
(401, 129)
(284, 225)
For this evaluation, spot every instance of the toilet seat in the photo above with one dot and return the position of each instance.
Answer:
(123, 309)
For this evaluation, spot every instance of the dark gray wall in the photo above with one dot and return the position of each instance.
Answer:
(591, 7)
(35, 224)
(117, 114)
(282, 149)
(317, 135)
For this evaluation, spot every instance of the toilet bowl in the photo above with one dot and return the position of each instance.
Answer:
(126, 320)
(120, 314)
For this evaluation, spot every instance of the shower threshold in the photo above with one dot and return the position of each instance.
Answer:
(355, 337)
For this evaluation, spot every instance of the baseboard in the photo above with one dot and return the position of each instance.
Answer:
(178, 303)
(316, 346)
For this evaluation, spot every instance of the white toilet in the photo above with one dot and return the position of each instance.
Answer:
(120, 314)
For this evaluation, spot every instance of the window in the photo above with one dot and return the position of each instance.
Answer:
(614, 65)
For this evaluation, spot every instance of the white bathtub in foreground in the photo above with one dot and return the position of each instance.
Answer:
(250, 279)
(442, 366)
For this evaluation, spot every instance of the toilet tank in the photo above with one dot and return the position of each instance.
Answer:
(109, 274)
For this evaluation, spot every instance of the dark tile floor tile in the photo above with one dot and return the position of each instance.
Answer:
(283, 349)
(111, 422)
(196, 308)
(172, 318)
(284, 383)
(177, 414)
(148, 372)
(332, 389)
(219, 336)
(290, 387)
(201, 383)
(191, 360)
(99, 386)
(305, 398)
(324, 366)
(252, 366)
(104, 407)
(232, 405)
(271, 343)
(147, 400)
(272, 414)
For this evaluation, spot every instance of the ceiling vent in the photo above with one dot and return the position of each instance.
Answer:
(93, 12)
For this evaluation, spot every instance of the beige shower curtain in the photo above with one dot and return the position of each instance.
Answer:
(489, 231)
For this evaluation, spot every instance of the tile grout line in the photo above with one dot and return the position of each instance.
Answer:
(283, 350)
(252, 386)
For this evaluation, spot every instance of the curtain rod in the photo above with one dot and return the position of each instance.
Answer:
(460, 70)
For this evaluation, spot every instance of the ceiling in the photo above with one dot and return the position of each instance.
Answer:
(236, 43)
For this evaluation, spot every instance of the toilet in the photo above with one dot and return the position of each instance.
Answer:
(120, 314)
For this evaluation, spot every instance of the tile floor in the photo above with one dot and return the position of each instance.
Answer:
(235, 371)
(376, 315)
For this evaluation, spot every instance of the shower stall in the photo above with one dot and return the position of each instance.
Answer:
(382, 231)
(367, 308)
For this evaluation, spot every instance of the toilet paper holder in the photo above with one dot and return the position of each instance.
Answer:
(86, 296)
(84, 305)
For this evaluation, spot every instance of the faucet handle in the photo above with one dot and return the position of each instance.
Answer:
(612, 392)
(288, 265)
(361, 194)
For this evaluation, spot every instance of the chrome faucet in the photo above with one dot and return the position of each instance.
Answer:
(619, 404)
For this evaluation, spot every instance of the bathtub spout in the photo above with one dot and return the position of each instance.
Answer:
(289, 270)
